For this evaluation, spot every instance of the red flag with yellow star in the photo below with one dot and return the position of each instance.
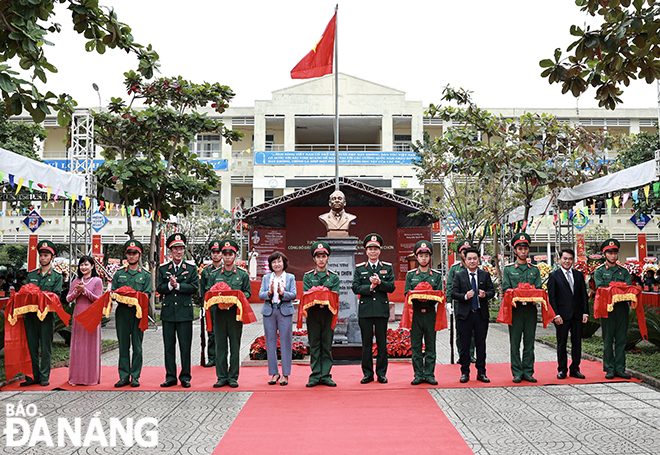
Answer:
(33, 254)
(319, 61)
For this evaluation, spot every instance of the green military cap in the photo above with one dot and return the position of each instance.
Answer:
(229, 245)
(176, 240)
(423, 246)
(133, 245)
(47, 246)
(521, 239)
(464, 245)
(215, 245)
(610, 244)
(373, 240)
(320, 247)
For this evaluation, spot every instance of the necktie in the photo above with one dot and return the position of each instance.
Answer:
(569, 277)
(475, 297)
(373, 267)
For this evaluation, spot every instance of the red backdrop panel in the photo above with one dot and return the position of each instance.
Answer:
(265, 241)
(303, 227)
(407, 237)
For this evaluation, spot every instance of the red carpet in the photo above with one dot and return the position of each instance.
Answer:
(387, 422)
(347, 377)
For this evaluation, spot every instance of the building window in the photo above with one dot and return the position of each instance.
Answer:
(269, 195)
(402, 142)
(209, 145)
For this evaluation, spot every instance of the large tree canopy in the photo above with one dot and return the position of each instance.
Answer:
(148, 159)
(624, 48)
(24, 28)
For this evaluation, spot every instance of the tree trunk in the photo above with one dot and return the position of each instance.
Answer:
(129, 219)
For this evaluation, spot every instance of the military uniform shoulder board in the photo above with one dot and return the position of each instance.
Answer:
(360, 264)
(241, 268)
(333, 272)
(436, 271)
(601, 265)
(533, 265)
(509, 264)
(412, 270)
(165, 263)
(387, 263)
(309, 271)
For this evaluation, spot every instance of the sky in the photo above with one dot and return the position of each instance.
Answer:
(492, 48)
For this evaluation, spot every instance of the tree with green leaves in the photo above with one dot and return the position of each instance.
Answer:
(625, 47)
(637, 149)
(499, 163)
(20, 137)
(209, 221)
(24, 29)
(148, 159)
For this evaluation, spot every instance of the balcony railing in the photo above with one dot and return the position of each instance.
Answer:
(342, 147)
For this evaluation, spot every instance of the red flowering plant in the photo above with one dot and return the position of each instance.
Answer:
(398, 343)
(258, 349)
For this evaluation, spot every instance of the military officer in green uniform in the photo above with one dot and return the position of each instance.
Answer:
(453, 270)
(41, 332)
(225, 326)
(372, 281)
(523, 320)
(319, 318)
(422, 331)
(207, 280)
(615, 326)
(177, 282)
(129, 334)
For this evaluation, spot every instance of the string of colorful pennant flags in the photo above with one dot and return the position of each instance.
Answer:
(59, 195)
(582, 213)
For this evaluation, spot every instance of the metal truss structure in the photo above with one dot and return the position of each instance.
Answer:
(81, 161)
(564, 229)
(343, 181)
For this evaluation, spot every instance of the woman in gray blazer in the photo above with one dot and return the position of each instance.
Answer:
(278, 289)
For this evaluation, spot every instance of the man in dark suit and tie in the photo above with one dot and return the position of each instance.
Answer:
(472, 288)
(567, 293)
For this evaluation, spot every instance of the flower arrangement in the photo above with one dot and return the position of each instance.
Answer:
(258, 349)
(633, 267)
(398, 343)
(544, 269)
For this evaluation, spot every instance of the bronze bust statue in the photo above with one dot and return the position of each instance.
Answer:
(337, 221)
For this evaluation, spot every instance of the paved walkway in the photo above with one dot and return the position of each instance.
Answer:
(618, 418)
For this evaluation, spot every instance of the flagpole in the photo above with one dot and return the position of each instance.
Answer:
(336, 65)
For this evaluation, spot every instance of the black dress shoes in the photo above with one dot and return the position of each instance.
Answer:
(28, 382)
(209, 364)
(382, 379)
(185, 384)
(483, 378)
(366, 379)
(529, 378)
(622, 374)
(464, 378)
(577, 374)
(561, 375)
(169, 383)
(122, 382)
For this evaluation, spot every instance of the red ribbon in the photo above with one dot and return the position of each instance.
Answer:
(91, 317)
(322, 296)
(225, 297)
(424, 291)
(525, 292)
(17, 354)
(620, 292)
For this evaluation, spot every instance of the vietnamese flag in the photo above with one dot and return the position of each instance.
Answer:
(320, 59)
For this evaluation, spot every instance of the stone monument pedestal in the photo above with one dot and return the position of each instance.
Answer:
(342, 261)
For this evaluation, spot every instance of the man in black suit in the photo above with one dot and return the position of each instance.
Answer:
(472, 288)
(568, 297)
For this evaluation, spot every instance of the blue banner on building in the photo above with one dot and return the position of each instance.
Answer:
(328, 158)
